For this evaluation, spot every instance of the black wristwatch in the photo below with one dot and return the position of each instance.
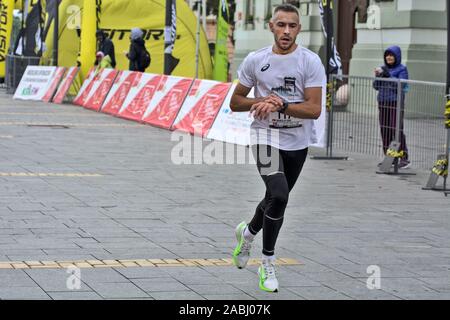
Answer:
(284, 107)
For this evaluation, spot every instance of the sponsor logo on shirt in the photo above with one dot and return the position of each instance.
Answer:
(265, 68)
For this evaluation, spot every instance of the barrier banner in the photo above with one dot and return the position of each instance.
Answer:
(201, 106)
(65, 85)
(34, 83)
(54, 84)
(140, 95)
(100, 89)
(231, 127)
(167, 101)
(86, 88)
(119, 92)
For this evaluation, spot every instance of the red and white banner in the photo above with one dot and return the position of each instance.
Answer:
(85, 89)
(59, 73)
(167, 101)
(65, 85)
(100, 89)
(35, 83)
(142, 91)
(119, 92)
(229, 126)
(201, 106)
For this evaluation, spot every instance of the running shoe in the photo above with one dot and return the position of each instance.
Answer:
(267, 278)
(241, 253)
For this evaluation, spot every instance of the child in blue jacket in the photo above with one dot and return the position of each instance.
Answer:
(387, 100)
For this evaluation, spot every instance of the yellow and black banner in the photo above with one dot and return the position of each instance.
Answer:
(6, 23)
(117, 18)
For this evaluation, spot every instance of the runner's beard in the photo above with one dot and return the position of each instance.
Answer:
(286, 47)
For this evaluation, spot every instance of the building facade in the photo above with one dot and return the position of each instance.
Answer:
(363, 30)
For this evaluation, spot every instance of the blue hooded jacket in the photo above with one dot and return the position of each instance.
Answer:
(387, 91)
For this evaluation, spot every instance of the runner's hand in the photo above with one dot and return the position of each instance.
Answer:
(261, 110)
(274, 99)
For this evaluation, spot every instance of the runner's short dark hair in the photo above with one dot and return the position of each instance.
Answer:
(286, 7)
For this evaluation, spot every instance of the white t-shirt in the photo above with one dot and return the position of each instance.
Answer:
(287, 76)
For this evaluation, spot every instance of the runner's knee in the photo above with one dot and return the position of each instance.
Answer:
(279, 193)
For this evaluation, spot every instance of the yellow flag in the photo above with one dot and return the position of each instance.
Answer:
(6, 23)
(88, 38)
(220, 72)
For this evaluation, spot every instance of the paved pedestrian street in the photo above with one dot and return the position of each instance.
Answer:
(95, 207)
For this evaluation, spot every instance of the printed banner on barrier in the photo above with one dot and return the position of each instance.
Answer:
(86, 88)
(140, 95)
(54, 84)
(167, 101)
(34, 83)
(229, 126)
(319, 125)
(65, 85)
(201, 106)
(100, 89)
(119, 92)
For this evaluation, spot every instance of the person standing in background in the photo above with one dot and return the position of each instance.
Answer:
(106, 46)
(138, 54)
(388, 101)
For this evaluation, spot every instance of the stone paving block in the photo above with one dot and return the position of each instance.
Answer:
(160, 285)
(204, 289)
(319, 293)
(118, 290)
(102, 275)
(54, 279)
(74, 295)
(177, 295)
(187, 279)
(142, 273)
(357, 289)
(23, 293)
(15, 278)
(235, 297)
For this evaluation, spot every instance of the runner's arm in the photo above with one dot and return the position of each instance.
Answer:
(311, 108)
(240, 102)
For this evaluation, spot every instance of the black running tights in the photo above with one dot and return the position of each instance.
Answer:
(279, 170)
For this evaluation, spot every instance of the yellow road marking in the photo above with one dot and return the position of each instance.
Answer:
(64, 175)
(137, 263)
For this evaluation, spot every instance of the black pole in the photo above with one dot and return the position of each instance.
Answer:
(448, 46)
(329, 27)
(448, 90)
(328, 13)
(56, 33)
(167, 37)
(23, 26)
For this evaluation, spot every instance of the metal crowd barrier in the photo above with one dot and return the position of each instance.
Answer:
(359, 123)
(16, 66)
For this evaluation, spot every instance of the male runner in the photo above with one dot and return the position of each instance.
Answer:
(289, 83)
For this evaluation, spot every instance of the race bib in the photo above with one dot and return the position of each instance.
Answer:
(280, 120)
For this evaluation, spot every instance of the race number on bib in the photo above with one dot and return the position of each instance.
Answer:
(280, 120)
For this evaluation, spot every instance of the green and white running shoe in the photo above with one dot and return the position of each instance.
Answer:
(267, 278)
(242, 252)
